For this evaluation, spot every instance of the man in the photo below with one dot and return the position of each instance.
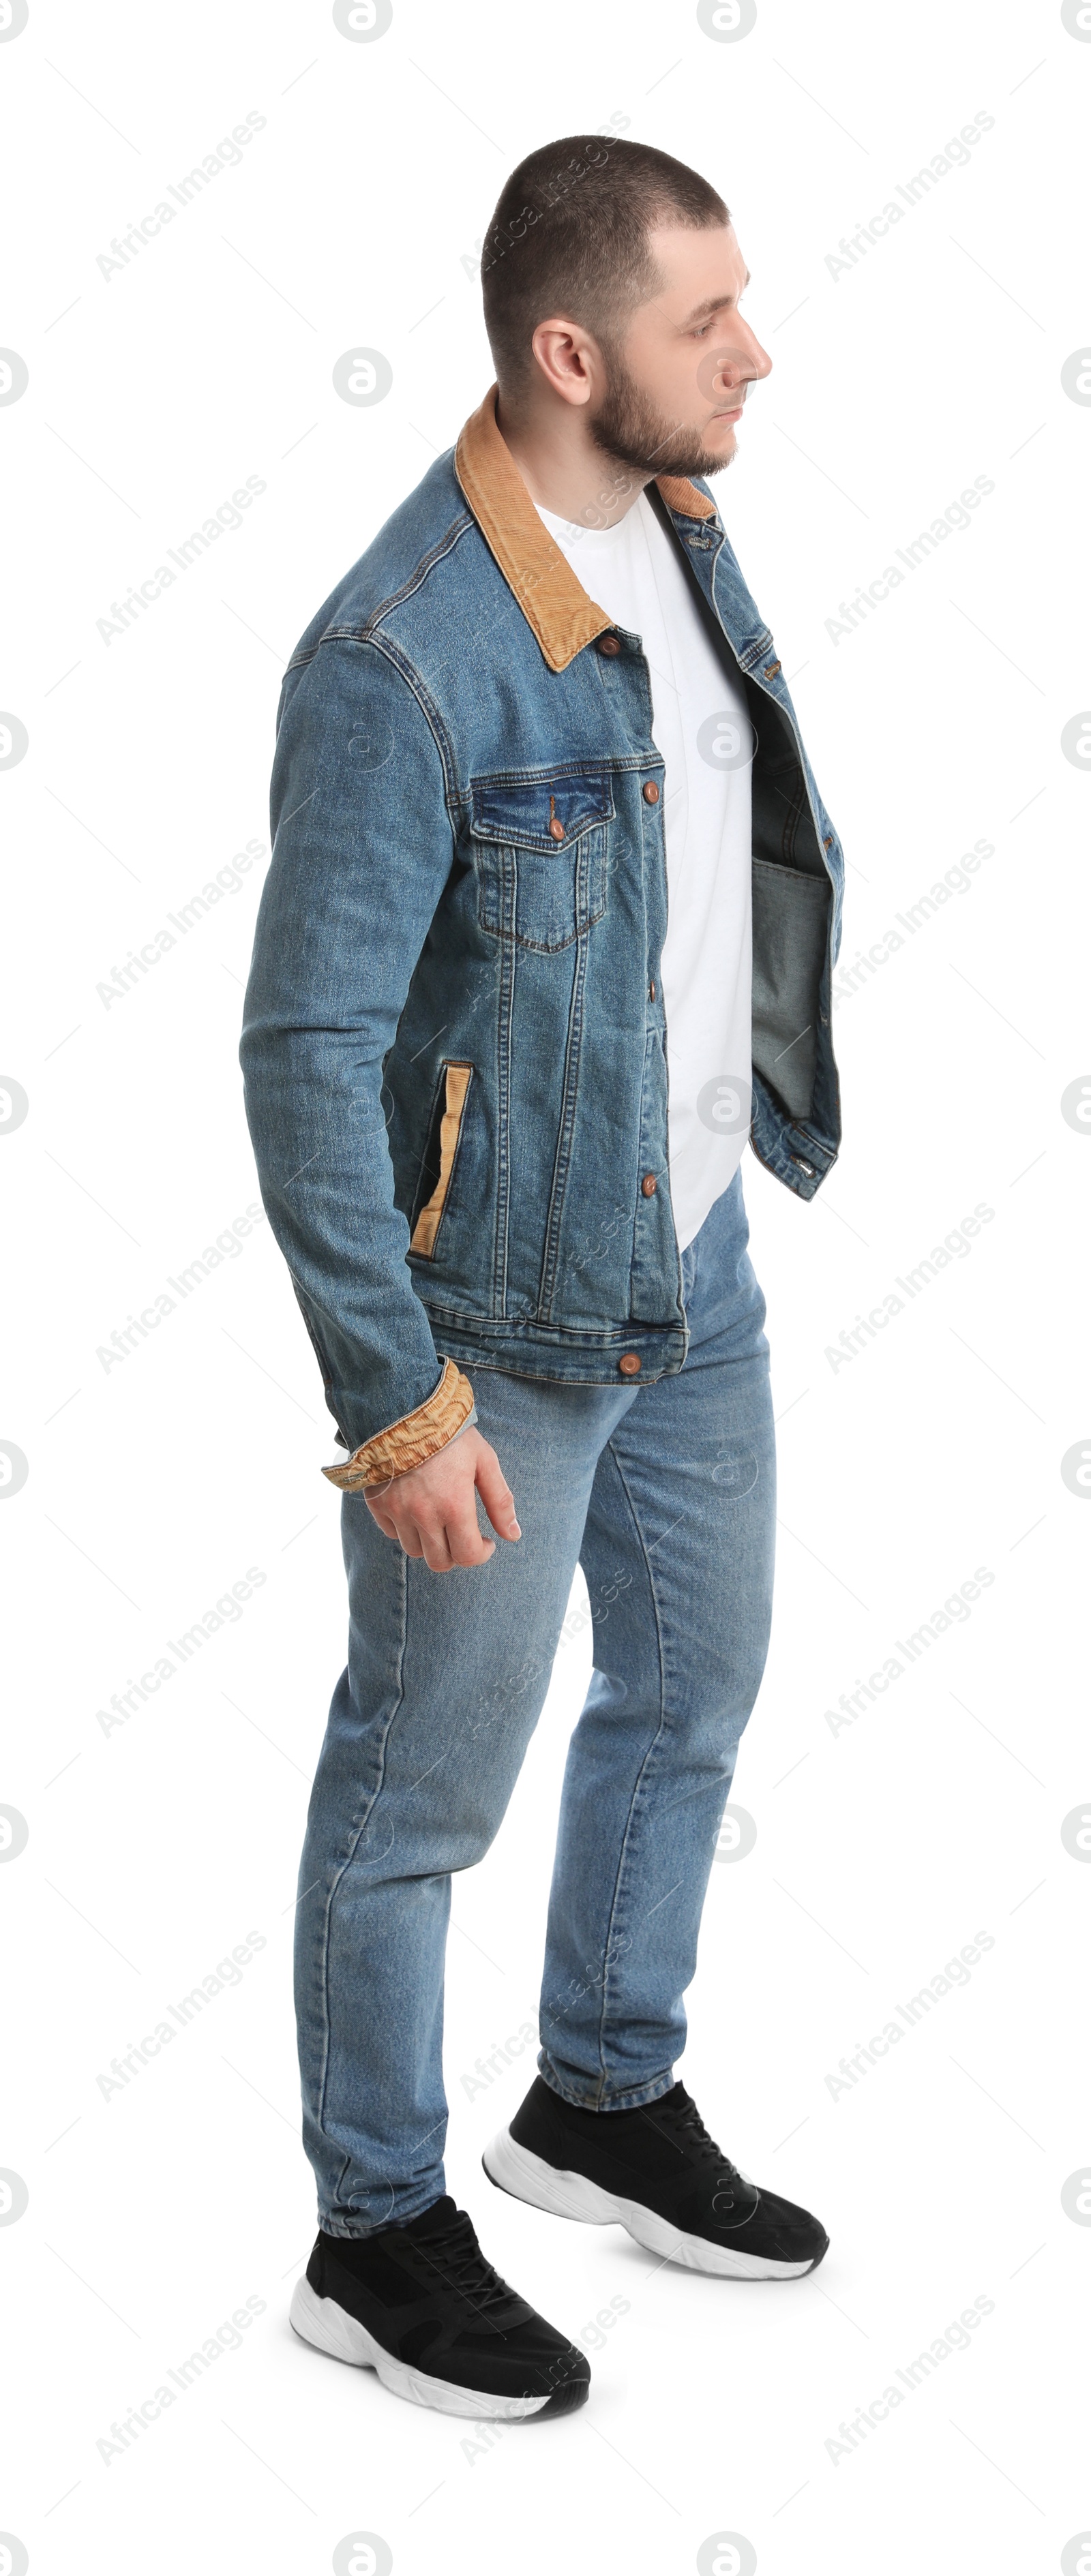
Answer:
(541, 698)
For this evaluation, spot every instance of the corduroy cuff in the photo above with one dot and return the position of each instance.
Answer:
(410, 1442)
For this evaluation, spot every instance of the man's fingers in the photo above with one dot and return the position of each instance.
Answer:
(432, 1545)
(496, 1494)
(432, 1511)
(444, 1544)
(464, 1538)
(472, 1551)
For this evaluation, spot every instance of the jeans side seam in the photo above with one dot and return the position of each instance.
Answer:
(320, 2104)
(623, 1854)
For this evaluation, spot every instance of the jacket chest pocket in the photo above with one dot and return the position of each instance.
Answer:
(539, 851)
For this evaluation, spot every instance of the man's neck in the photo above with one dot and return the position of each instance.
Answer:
(565, 472)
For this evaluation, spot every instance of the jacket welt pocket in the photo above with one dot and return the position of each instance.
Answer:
(440, 1154)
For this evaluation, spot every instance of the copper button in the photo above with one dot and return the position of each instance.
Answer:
(651, 792)
(609, 644)
(648, 1185)
(556, 831)
(629, 1364)
(651, 990)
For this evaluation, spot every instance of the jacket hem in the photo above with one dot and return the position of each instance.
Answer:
(567, 1359)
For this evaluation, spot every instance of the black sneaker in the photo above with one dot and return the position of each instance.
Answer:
(420, 2305)
(656, 2172)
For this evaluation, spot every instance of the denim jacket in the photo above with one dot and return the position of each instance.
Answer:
(454, 1042)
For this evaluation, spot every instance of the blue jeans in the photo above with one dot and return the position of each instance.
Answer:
(665, 1495)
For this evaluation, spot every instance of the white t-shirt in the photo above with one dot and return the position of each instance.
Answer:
(701, 725)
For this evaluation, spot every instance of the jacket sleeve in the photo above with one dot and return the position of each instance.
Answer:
(361, 851)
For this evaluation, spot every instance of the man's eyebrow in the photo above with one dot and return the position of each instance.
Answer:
(714, 304)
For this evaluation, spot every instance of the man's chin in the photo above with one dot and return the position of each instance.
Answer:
(680, 453)
(699, 460)
(690, 455)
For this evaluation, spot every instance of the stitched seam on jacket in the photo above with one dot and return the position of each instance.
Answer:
(363, 634)
(444, 746)
(505, 1028)
(566, 1130)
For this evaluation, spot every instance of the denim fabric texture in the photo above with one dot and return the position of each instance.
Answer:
(664, 1493)
(454, 1046)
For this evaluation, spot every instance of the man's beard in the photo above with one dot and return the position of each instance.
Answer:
(628, 428)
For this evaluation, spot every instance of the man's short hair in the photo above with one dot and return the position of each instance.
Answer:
(570, 235)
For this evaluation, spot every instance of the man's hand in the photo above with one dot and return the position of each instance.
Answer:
(432, 1512)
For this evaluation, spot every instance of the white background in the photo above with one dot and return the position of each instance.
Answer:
(156, 1482)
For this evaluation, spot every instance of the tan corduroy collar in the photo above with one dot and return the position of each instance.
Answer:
(553, 602)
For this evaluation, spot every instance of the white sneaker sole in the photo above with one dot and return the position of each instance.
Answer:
(571, 2195)
(331, 2329)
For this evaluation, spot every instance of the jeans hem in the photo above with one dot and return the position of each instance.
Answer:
(634, 2097)
(346, 2223)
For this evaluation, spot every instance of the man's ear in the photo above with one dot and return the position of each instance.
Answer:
(567, 358)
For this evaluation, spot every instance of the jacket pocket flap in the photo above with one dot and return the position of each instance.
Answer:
(526, 812)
